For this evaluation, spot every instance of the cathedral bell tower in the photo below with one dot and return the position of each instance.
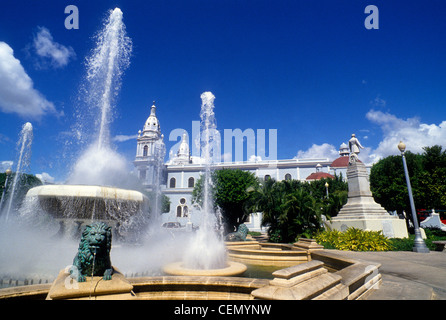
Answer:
(150, 151)
(183, 154)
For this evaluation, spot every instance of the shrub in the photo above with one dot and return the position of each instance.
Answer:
(254, 233)
(435, 233)
(404, 244)
(275, 236)
(432, 234)
(329, 239)
(355, 240)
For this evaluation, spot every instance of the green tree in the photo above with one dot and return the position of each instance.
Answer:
(294, 208)
(289, 209)
(24, 183)
(388, 182)
(268, 198)
(432, 182)
(336, 200)
(230, 193)
(427, 172)
(301, 215)
(164, 202)
(335, 185)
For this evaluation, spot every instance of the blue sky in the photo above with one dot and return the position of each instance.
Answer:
(309, 69)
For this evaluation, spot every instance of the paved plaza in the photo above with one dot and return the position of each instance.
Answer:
(407, 275)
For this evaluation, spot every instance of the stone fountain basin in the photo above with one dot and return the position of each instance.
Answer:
(267, 254)
(232, 269)
(81, 201)
(346, 279)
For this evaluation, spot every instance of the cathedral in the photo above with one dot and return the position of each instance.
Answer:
(177, 176)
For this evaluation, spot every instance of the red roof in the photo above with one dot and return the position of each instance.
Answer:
(341, 162)
(319, 175)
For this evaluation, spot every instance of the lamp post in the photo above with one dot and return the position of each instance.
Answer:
(419, 244)
(326, 188)
(8, 173)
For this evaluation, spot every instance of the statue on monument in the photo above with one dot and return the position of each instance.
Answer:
(354, 146)
(361, 210)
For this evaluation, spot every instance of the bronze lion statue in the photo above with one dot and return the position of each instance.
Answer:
(239, 235)
(93, 256)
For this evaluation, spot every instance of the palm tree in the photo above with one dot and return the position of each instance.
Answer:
(334, 203)
(301, 215)
(291, 210)
(267, 198)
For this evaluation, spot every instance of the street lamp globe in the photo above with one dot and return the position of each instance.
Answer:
(326, 188)
(402, 146)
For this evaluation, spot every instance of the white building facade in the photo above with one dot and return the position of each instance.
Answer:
(180, 173)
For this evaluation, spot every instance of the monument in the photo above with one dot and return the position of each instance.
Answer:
(361, 211)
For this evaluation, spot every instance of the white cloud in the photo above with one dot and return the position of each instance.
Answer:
(415, 134)
(316, 151)
(254, 158)
(226, 157)
(4, 138)
(378, 102)
(45, 177)
(123, 137)
(17, 93)
(5, 165)
(412, 131)
(50, 51)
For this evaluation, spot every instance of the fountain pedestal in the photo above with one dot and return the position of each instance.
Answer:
(77, 205)
(232, 269)
(95, 288)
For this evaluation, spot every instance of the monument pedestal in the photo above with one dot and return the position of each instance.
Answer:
(391, 228)
(362, 212)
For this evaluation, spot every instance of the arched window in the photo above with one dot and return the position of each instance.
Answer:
(145, 151)
(288, 177)
(191, 182)
(267, 177)
(172, 183)
(182, 209)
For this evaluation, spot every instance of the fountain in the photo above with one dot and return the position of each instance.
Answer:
(100, 164)
(159, 154)
(206, 272)
(91, 191)
(206, 254)
(76, 205)
(24, 146)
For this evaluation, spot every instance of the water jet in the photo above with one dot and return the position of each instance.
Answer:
(24, 152)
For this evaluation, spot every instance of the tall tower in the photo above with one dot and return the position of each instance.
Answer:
(183, 154)
(344, 151)
(150, 151)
